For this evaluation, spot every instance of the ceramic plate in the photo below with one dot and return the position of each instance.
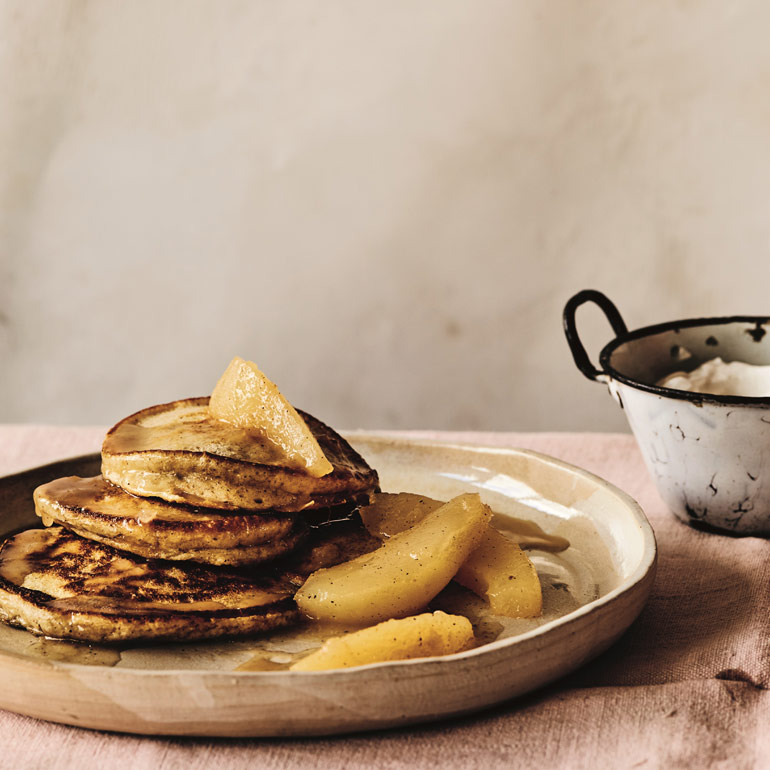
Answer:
(591, 593)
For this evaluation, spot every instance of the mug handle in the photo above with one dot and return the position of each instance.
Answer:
(570, 329)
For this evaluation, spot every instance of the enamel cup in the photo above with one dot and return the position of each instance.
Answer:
(709, 454)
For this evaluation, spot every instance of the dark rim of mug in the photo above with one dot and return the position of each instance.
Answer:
(698, 399)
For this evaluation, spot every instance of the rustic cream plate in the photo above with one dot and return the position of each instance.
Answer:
(592, 592)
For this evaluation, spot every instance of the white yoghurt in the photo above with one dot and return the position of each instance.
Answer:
(720, 378)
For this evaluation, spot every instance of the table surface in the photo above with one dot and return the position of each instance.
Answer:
(686, 686)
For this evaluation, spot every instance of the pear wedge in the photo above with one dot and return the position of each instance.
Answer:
(247, 399)
(404, 573)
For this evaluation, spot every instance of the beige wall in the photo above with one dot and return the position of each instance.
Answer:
(385, 204)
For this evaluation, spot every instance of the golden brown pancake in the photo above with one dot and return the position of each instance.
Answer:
(329, 543)
(57, 584)
(177, 452)
(95, 509)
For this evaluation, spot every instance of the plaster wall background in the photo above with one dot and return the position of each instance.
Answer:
(386, 205)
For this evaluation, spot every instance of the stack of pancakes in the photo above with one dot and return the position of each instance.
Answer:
(194, 530)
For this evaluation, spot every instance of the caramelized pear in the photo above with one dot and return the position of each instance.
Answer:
(497, 570)
(244, 397)
(404, 573)
(418, 636)
(500, 572)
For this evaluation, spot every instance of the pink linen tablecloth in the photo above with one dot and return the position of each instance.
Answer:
(686, 687)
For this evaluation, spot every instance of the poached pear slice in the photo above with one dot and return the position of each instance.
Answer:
(404, 573)
(244, 397)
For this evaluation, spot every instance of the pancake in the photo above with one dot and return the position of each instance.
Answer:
(95, 509)
(57, 584)
(329, 543)
(177, 452)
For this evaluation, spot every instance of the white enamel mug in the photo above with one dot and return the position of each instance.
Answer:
(709, 454)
